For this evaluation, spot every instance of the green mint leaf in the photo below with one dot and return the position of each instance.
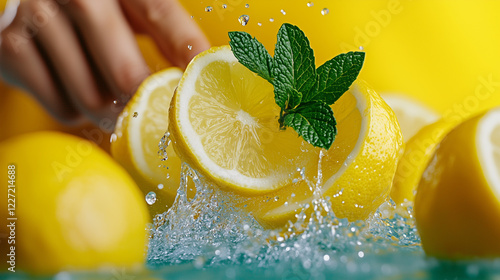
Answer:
(314, 121)
(293, 66)
(251, 53)
(336, 76)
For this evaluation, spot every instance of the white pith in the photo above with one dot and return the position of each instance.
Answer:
(489, 151)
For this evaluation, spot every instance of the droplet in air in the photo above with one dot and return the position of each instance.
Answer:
(135, 115)
(190, 47)
(151, 198)
(310, 4)
(283, 12)
(224, 6)
(208, 9)
(113, 138)
(160, 186)
(243, 19)
(271, 19)
(259, 24)
(325, 11)
(247, 5)
(361, 48)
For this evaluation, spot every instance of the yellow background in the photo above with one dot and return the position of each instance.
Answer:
(445, 53)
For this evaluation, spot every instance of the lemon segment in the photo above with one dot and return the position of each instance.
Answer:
(412, 115)
(139, 128)
(457, 205)
(224, 123)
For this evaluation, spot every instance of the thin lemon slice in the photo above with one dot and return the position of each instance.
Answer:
(357, 170)
(139, 129)
(224, 124)
(457, 206)
(412, 114)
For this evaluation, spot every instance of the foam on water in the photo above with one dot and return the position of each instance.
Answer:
(208, 230)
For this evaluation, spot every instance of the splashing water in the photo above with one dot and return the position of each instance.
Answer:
(209, 231)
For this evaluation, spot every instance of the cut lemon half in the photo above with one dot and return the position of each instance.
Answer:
(412, 114)
(223, 122)
(457, 206)
(139, 129)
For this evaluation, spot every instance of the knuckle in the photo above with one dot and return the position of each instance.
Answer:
(156, 10)
(81, 6)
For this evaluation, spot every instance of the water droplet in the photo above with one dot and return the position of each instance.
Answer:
(151, 198)
(135, 115)
(243, 19)
(325, 11)
(192, 17)
(271, 19)
(283, 12)
(259, 24)
(224, 6)
(190, 47)
(326, 258)
(310, 4)
(115, 102)
(361, 254)
(208, 9)
(361, 48)
(160, 186)
(247, 5)
(168, 176)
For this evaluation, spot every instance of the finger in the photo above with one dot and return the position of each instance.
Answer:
(177, 35)
(62, 46)
(23, 66)
(111, 43)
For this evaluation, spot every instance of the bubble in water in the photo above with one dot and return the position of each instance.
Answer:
(208, 8)
(310, 4)
(283, 12)
(224, 6)
(243, 19)
(325, 11)
(190, 47)
(151, 198)
(135, 115)
(160, 186)
(247, 5)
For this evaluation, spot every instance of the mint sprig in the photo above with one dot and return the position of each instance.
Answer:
(303, 92)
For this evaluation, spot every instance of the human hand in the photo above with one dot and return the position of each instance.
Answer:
(77, 56)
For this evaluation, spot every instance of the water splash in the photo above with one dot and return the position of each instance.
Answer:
(208, 230)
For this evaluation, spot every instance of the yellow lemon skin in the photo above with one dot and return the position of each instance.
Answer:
(77, 209)
(456, 211)
(417, 154)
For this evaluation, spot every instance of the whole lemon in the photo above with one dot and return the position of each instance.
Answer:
(72, 207)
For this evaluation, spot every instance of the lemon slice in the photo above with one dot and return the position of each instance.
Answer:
(412, 114)
(357, 170)
(457, 206)
(139, 129)
(224, 124)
